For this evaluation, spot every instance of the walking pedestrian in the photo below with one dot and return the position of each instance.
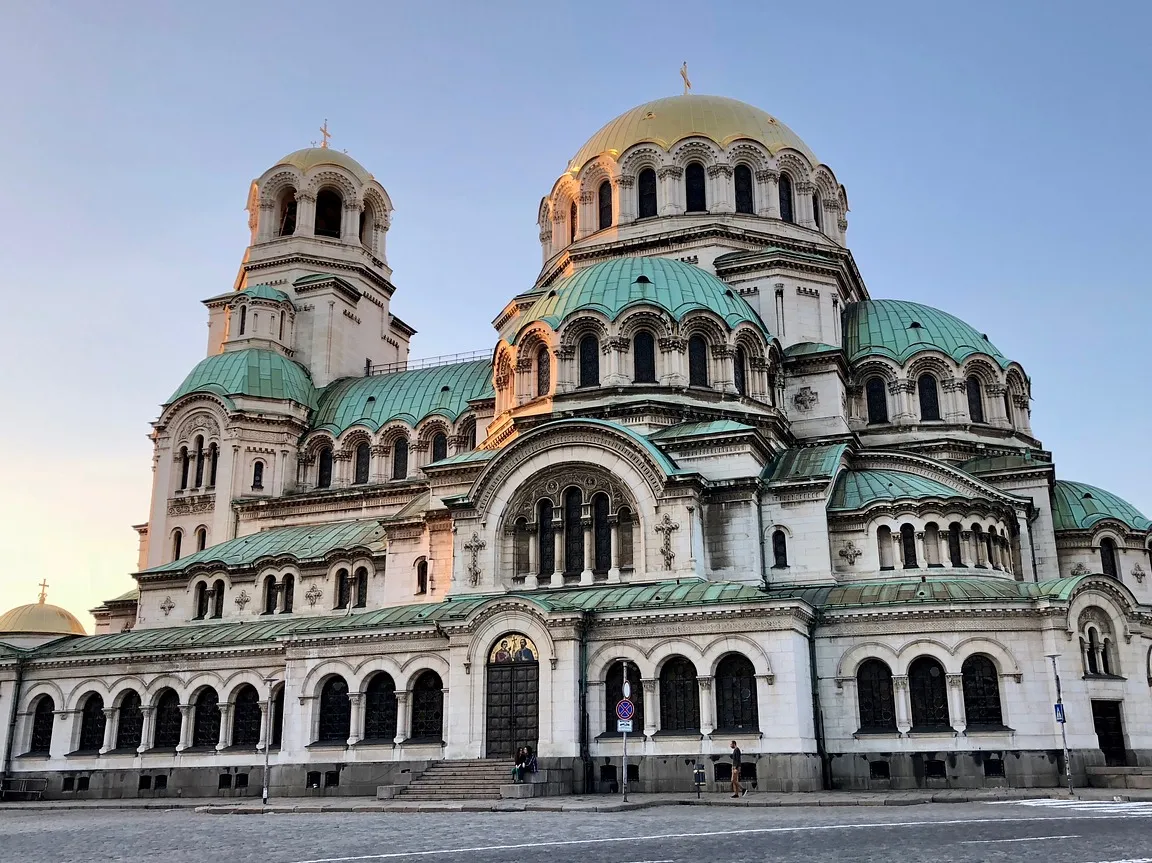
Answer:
(738, 790)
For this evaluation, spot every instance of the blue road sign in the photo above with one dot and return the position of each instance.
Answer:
(625, 709)
(1059, 712)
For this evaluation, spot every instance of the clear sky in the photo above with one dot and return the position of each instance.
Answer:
(995, 156)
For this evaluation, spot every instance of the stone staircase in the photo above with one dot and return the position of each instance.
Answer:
(460, 780)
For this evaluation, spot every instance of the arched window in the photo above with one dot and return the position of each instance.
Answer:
(740, 371)
(679, 696)
(1093, 651)
(779, 550)
(785, 186)
(520, 547)
(646, 194)
(929, 397)
(643, 358)
(744, 199)
(955, 553)
(400, 459)
(929, 693)
(697, 362)
(278, 717)
(243, 319)
(624, 521)
(213, 463)
(168, 720)
(981, 693)
(363, 463)
(335, 712)
(199, 461)
(361, 587)
(695, 195)
(572, 223)
(428, 708)
(246, 717)
(470, 435)
(324, 470)
(884, 546)
(184, 463)
(573, 532)
(329, 209)
(206, 722)
(422, 577)
(218, 599)
(177, 540)
(874, 694)
(605, 202)
(287, 221)
(343, 588)
(201, 601)
(439, 446)
(932, 544)
(877, 396)
(43, 717)
(130, 722)
(736, 707)
(289, 591)
(589, 361)
(614, 694)
(270, 595)
(908, 544)
(201, 538)
(380, 709)
(1008, 410)
(257, 475)
(546, 536)
(1106, 664)
(601, 535)
(543, 372)
(92, 723)
(975, 399)
(817, 216)
(1108, 563)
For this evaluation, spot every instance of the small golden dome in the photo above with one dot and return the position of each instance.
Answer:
(308, 158)
(666, 121)
(40, 618)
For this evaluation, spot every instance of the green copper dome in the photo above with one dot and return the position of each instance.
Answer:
(1078, 506)
(898, 330)
(856, 489)
(265, 292)
(251, 372)
(614, 286)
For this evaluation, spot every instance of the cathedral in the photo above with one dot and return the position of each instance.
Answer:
(698, 466)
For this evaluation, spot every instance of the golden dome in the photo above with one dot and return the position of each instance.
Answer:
(666, 121)
(39, 618)
(308, 158)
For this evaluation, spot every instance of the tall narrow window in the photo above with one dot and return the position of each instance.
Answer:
(605, 202)
(270, 595)
(201, 601)
(929, 693)
(877, 400)
(875, 696)
(740, 371)
(177, 539)
(439, 446)
(184, 463)
(470, 435)
(1008, 410)
(380, 709)
(428, 707)
(329, 209)
(213, 462)
(817, 216)
(199, 461)
(243, 319)
(246, 716)
(218, 599)
(1108, 564)
(884, 547)
(257, 476)
(975, 399)
(573, 532)
(679, 696)
(130, 722)
(624, 541)
(601, 534)
(546, 537)
(779, 550)
(288, 588)
(335, 712)
(644, 358)
(736, 703)
(342, 588)
(206, 718)
(614, 694)
(572, 223)
(201, 538)
(785, 187)
(422, 577)
(646, 194)
(324, 471)
(43, 717)
(363, 462)
(929, 397)
(981, 693)
(932, 544)
(589, 361)
(908, 544)
(287, 225)
(168, 720)
(361, 587)
(744, 199)
(697, 362)
(695, 196)
(543, 373)
(400, 459)
(92, 723)
(955, 554)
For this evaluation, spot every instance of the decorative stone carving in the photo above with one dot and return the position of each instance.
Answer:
(167, 605)
(850, 552)
(1138, 573)
(666, 526)
(805, 399)
(242, 600)
(313, 595)
(551, 482)
(192, 505)
(1079, 569)
(474, 546)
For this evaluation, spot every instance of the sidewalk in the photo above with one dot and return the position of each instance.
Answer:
(581, 803)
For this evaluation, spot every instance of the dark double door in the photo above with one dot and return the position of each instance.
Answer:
(1110, 732)
(513, 708)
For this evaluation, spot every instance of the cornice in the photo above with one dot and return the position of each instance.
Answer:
(314, 263)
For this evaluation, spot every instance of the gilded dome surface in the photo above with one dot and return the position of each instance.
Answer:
(308, 158)
(899, 330)
(39, 618)
(666, 121)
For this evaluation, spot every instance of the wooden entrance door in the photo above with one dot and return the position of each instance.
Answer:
(513, 707)
(1110, 732)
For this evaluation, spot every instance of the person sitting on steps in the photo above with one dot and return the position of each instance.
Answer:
(519, 765)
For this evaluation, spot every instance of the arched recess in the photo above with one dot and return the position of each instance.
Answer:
(854, 657)
(717, 649)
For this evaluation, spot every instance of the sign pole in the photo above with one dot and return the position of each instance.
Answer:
(1061, 719)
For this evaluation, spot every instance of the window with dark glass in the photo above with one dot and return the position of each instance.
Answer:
(380, 709)
(736, 706)
(470, 435)
(624, 522)
(679, 696)
(201, 539)
(168, 720)
(329, 209)
(289, 590)
(201, 601)
(817, 216)
(546, 537)
(287, 214)
(246, 717)
(43, 716)
(324, 471)
(342, 588)
(439, 446)
(981, 693)
(129, 722)
(361, 587)
(601, 534)
(1108, 557)
(605, 204)
(543, 372)
(573, 532)
(695, 195)
(740, 371)
(428, 707)
(697, 362)
(785, 187)
(184, 464)
(572, 223)
(644, 358)
(213, 463)
(335, 712)
(270, 595)
(422, 577)
(278, 717)
(929, 397)
(589, 361)
(884, 547)
(975, 399)
(743, 179)
(206, 718)
(199, 462)
(614, 694)
(400, 459)
(363, 463)
(779, 549)
(929, 693)
(955, 554)
(646, 194)
(1008, 410)
(92, 722)
(874, 693)
(908, 543)
(218, 599)
(243, 319)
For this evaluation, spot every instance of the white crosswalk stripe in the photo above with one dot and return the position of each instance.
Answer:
(1100, 807)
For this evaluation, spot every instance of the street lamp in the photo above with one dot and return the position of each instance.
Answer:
(269, 682)
(1060, 720)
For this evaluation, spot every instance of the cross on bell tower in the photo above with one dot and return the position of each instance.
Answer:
(43, 591)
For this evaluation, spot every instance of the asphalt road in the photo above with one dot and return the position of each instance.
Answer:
(957, 833)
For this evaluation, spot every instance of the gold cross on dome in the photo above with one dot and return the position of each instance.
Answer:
(324, 131)
(43, 591)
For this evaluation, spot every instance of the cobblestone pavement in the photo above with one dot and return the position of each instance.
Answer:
(1052, 832)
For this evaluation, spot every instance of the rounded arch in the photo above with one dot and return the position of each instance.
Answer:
(203, 680)
(581, 323)
(502, 617)
(713, 654)
(669, 648)
(604, 657)
(927, 647)
(315, 679)
(702, 322)
(119, 689)
(1001, 656)
(794, 164)
(750, 153)
(701, 150)
(857, 655)
(46, 687)
(413, 667)
(233, 683)
(980, 368)
(930, 364)
(651, 318)
(157, 686)
(82, 690)
(273, 186)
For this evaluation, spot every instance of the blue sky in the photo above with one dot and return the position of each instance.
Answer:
(995, 156)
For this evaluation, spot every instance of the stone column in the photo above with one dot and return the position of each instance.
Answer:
(804, 204)
(589, 551)
(266, 218)
(187, 714)
(350, 224)
(614, 557)
(403, 716)
(624, 198)
(264, 723)
(720, 198)
(531, 578)
(522, 389)
(672, 362)
(109, 744)
(649, 687)
(224, 740)
(559, 231)
(557, 548)
(356, 726)
(668, 182)
(981, 549)
(943, 551)
(614, 350)
(587, 221)
(305, 213)
(956, 701)
(707, 720)
(902, 390)
(723, 357)
(921, 551)
(378, 463)
(768, 199)
(903, 703)
(994, 406)
(148, 728)
(966, 548)
(898, 549)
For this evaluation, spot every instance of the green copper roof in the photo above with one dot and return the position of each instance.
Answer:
(308, 542)
(409, 396)
(911, 591)
(1078, 506)
(858, 488)
(250, 372)
(887, 328)
(805, 463)
(266, 292)
(700, 428)
(611, 288)
(1012, 461)
(801, 349)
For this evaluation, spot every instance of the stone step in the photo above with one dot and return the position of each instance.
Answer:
(459, 780)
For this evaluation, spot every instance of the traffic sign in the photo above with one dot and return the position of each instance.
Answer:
(627, 689)
(625, 709)
(624, 726)
(1059, 712)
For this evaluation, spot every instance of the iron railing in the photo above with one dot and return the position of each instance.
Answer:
(425, 363)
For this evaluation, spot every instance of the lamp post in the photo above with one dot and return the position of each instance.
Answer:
(1060, 717)
(269, 682)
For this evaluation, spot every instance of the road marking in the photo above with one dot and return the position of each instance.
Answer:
(748, 831)
(1024, 839)
(1099, 806)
